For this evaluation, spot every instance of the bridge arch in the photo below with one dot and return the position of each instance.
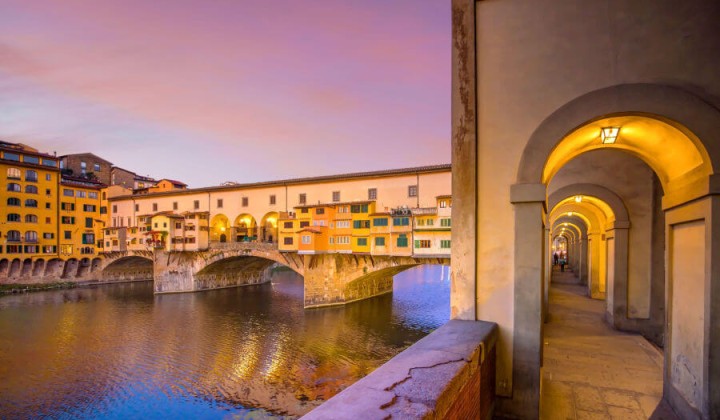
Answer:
(128, 268)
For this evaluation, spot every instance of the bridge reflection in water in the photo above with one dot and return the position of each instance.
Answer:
(117, 350)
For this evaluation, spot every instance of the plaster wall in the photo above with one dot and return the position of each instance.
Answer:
(535, 56)
(687, 256)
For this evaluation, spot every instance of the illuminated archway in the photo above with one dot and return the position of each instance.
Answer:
(219, 228)
(245, 228)
(268, 227)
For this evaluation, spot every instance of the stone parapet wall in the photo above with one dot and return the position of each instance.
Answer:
(449, 374)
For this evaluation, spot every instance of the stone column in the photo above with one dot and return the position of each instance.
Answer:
(583, 260)
(617, 277)
(595, 242)
(529, 261)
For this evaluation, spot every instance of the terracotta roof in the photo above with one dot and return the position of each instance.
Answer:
(444, 196)
(310, 180)
(309, 229)
(174, 182)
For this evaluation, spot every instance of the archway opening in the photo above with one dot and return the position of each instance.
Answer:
(219, 228)
(132, 268)
(268, 227)
(245, 228)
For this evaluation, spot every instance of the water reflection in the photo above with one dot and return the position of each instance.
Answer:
(118, 351)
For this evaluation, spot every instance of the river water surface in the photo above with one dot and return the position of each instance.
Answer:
(118, 351)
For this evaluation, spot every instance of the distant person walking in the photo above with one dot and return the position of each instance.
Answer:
(555, 258)
(562, 264)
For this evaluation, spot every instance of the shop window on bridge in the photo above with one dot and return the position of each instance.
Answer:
(13, 187)
(359, 208)
(31, 176)
(420, 222)
(81, 194)
(31, 189)
(103, 209)
(14, 173)
(13, 236)
(31, 159)
(288, 241)
(319, 211)
(89, 222)
(31, 236)
(445, 222)
(445, 243)
(422, 243)
(14, 249)
(430, 222)
(87, 250)
(88, 238)
(306, 239)
(13, 217)
(67, 206)
(31, 249)
(93, 195)
(48, 235)
(361, 241)
(11, 156)
(12, 201)
(31, 218)
(67, 220)
(49, 249)
(304, 224)
(31, 203)
(401, 221)
(288, 225)
(380, 241)
(68, 192)
(402, 241)
(89, 208)
(361, 224)
(383, 221)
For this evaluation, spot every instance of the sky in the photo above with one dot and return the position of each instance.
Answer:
(229, 90)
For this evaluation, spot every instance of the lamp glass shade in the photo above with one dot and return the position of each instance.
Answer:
(608, 135)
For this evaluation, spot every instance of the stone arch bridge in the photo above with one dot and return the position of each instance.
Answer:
(329, 279)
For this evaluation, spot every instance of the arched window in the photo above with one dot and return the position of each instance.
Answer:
(30, 203)
(31, 189)
(14, 187)
(13, 173)
(31, 218)
(31, 236)
(31, 175)
(13, 217)
(13, 201)
(13, 236)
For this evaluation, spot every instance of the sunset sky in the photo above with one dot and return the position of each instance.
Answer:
(229, 90)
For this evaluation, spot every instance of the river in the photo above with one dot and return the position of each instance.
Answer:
(118, 351)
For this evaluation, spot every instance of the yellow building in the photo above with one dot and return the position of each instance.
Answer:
(432, 229)
(81, 225)
(287, 234)
(360, 213)
(28, 214)
(380, 241)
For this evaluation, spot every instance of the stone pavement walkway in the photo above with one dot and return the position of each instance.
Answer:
(592, 371)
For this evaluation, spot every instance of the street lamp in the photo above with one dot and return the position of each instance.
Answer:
(608, 135)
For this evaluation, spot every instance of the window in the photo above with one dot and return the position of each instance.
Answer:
(31, 203)
(31, 159)
(48, 221)
(31, 218)
(319, 211)
(219, 203)
(342, 209)
(430, 222)
(48, 192)
(288, 225)
(361, 224)
(154, 207)
(445, 222)
(83, 167)
(164, 224)
(31, 236)
(304, 224)
(104, 195)
(47, 205)
(306, 239)
(445, 243)
(302, 199)
(49, 162)
(336, 196)
(68, 192)
(114, 208)
(342, 224)
(178, 225)
(412, 190)
(305, 210)
(331, 240)
(420, 222)
(88, 239)
(13, 173)
(361, 241)
(359, 208)
(31, 189)
(67, 206)
(49, 249)
(196, 204)
(245, 201)
(67, 220)
(288, 241)
(272, 199)
(12, 201)
(103, 209)
(13, 217)
(96, 167)
(372, 193)
(93, 195)
(48, 177)
(89, 222)
(422, 243)
(48, 235)
(81, 194)
(13, 236)
(443, 204)
(175, 205)
(31, 176)
(402, 241)
(11, 156)
(380, 241)
(66, 249)
(380, 222)
(89, 208)
(13, 187)
(401, 221)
